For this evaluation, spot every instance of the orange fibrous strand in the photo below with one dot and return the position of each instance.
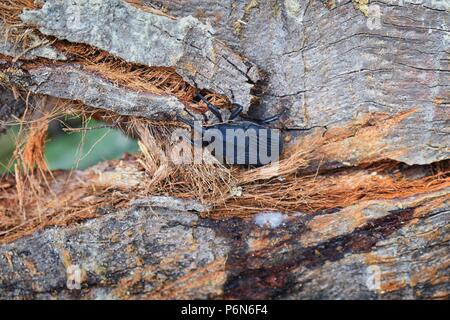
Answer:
(34, 197)
(157, 80)
(297, 183)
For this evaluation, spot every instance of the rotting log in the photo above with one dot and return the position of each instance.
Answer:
(376, 249)
(38, 47)
(384, 90)
(71, 82)
(327, 66)
(326, 71)
(147, 38)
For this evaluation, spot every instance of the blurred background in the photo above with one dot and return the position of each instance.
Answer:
(72, 149)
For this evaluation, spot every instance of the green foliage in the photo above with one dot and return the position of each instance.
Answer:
(74, 150)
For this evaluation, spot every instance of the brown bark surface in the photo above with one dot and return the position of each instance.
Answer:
(374, 101)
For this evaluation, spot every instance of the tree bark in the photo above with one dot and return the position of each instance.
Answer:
(331, 64)
(158, 250)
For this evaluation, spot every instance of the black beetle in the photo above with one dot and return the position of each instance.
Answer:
(240, 142)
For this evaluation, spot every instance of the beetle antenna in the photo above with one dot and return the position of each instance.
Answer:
(304, 129)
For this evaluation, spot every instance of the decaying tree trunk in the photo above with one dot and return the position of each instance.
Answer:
(161, 249)
(331, 64)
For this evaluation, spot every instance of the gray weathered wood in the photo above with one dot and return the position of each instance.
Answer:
(375, 249)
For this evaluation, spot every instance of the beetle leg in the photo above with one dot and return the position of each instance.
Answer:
(236, 112)
(211, 107)
(190, 123)
(186, 121)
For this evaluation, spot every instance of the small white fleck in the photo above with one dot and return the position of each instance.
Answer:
(270, 219)
(236, 192)
(373, 278)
